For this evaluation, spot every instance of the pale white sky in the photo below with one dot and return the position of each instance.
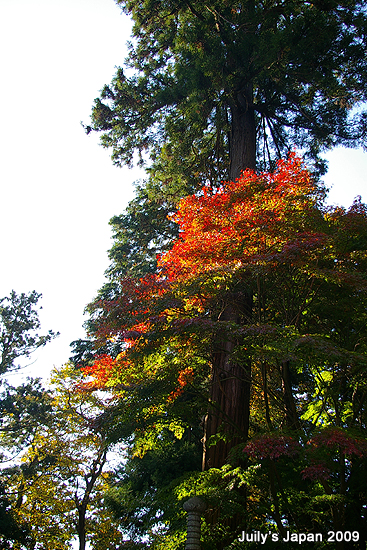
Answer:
(58, 186)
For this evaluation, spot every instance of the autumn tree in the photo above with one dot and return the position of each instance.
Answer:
(22, 408)
(56, 487)
(211, 90)
(300, 356)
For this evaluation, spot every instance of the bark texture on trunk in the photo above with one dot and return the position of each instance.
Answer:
(229, 393)
(242, 149)
(230, 386)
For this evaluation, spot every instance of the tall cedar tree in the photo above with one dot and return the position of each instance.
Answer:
(235, 78)
(218, 88)
(223, 86)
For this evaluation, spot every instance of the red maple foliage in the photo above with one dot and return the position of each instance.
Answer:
(256, 218)
(238, 229)
(272, 446)
(333, 438)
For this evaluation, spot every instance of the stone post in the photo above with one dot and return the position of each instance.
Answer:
(194, 508)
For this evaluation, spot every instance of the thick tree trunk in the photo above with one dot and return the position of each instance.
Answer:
(242, 147)
(229, 393)
(230, 387)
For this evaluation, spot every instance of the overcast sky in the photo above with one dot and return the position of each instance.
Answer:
(58, 186)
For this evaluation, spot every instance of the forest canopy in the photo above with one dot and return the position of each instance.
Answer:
(254, 328)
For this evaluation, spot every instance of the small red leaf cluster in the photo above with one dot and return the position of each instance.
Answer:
(101, 370)
(185, 377)
(272, 446)
(328, 443)
(316, 472)
(317, 451)
(337, 439)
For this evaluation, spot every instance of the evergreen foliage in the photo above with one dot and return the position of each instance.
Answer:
(18, 323)
(296, 68)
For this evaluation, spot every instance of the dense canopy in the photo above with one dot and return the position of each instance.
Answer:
(284, 371)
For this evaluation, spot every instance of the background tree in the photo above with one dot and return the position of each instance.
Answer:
(22, 408)
(18, 325)
(56, 488)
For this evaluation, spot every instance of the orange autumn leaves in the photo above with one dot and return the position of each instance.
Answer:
(256, 222)
(245, 221)
(185, 377)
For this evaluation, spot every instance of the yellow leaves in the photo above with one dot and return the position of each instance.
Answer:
(146, 440)
(64, 464)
